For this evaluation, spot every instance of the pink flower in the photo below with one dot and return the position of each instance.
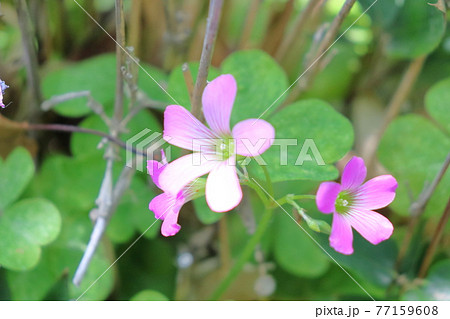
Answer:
(352, 202)
(166, 206)
(215, 148)
(3, 87)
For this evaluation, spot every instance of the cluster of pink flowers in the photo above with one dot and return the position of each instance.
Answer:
(214, 153)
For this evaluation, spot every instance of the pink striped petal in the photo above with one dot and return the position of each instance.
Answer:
(371, 225)
(341, 237)
(376, 193)
(184, 170)
(182, 129)
(223, 191)
(170, 225)
(161, 205)
(253, 137)
(326, 196)
(218, 98)
(354, 173)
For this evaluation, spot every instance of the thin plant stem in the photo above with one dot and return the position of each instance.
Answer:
(249, 23)
(245, 255)
(225, 255)
(288, 198)
(108, 198)
(212, 26)
(134, 34)
(30, 56)
(434, 242)
(76, 129)
(297, 30)
(268, 179)
(324, 45)
(418, 207)
(120, 61)
(101, 223)
(277, 27)
(188, 79)
(394, 107)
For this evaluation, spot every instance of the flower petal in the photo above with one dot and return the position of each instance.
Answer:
(371, 225)
(253, 137)
(184, 170)
(223, 191)
(341, 238)
(376, 193)
(161, 205)
(354, 173)
(218, 98)
(326, 196)
(182, 129)
(154, 169)
(170, 225)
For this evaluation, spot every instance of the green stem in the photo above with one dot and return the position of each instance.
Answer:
(245, 256)
(259, 192)
(289, 198)
(268, 179)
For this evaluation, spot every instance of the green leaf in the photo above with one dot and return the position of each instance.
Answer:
(59, 262)
(149, 295)
(96, 75)
(260, 81)
(316, 130)
(371, 265)
(15, 174)
(418, 30)
(413, 150)
(204, 213)
(382, 12)
(436, 285)
(295, 251)
(436, 102)
(177, 85)
(24, 227)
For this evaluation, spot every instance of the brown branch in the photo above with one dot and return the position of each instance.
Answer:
(120, 61)
(325, 44)
(249, 23)
(394, 107)
(75, 129)
(297, 30)
(434, 242)
(212, 26)
(29, 55)
(418, 207)
(188, 80)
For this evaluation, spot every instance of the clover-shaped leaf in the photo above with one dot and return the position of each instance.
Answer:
(436, 102)
(24, 227)
(261, 83)
(15, 174)
(413, 150)
(310, 137)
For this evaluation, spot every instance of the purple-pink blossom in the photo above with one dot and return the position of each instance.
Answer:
(215, 148)
(167, 206)
(3, 87)
(352, 204)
